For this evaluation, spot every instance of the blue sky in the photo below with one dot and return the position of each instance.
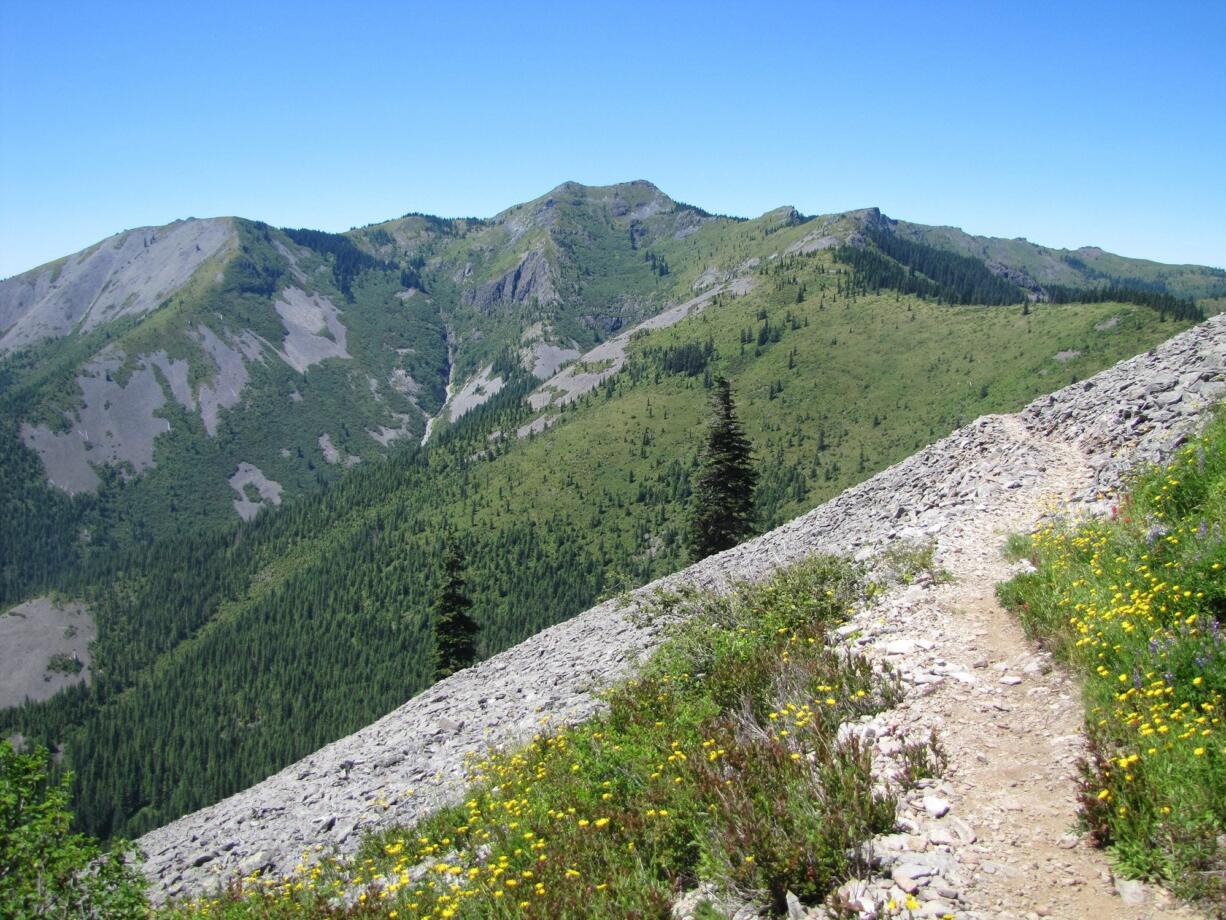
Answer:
(1070, 124)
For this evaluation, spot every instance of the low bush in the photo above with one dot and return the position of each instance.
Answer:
(46, 871)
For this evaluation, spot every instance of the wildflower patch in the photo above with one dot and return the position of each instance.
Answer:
(717, 763)
(1135, 602)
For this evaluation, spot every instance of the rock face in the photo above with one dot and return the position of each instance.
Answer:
(32, 634)
(411, 760)
(255, 491)
(475, 392)
(128, 274)
(607, 358)
(531, 279)
(116, 423)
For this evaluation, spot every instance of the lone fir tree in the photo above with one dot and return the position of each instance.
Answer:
(455, 631)
(721, 515)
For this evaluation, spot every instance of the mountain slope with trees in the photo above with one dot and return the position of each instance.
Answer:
(246, 365)
(225, 656)
(228, 648)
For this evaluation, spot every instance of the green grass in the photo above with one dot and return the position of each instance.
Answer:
(1135, 604)
(718, 762)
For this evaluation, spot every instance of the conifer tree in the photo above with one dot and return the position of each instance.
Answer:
(722, 512)
(455, 631)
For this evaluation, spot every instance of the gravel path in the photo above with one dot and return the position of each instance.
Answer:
(1006, 843)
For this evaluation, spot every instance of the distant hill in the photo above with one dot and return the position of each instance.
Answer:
(173, 377)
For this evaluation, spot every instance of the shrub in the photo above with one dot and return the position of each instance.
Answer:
(45, 869)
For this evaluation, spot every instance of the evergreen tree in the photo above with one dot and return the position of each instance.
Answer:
(722, 510)
(455, 631)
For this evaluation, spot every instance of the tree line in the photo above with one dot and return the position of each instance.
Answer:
(1180, 308)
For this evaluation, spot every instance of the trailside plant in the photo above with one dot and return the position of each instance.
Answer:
(1135, 602)
(45, 869)
(717, 763)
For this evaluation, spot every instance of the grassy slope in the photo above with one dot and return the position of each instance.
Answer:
(719, 763)
(918, 369)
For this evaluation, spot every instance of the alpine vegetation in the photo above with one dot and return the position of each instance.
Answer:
(722, 513)
(1134, 602)
(718, 764)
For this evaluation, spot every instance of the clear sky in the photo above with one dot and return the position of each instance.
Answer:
(1067, 123)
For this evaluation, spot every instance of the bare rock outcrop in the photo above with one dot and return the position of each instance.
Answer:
(129, 274)
(531, 279)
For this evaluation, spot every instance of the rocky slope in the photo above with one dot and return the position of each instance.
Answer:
(127, 275)
(962, 492)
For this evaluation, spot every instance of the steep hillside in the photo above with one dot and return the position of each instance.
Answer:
(170, 379)
(130, 274)
(555, 360)
(963, 493)
(261, 371)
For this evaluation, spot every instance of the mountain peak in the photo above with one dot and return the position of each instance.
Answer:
(633, 186)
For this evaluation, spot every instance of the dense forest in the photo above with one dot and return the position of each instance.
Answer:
(1180, 308)
(143, 757)
(945, 275)
(347, 259)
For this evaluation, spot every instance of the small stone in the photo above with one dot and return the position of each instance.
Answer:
(1130, 891)
(1011, 680)
(936, 806)
(905, 882)
(256, 862)
(795, 910)
(914, 871)
(939, 836)
(964, 833)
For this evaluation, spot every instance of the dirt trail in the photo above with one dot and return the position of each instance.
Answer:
(1009, 720)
